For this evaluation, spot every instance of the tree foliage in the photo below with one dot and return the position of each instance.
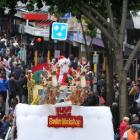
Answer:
(73, 6)
(9, 4)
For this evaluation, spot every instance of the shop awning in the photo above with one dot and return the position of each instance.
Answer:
(74, 36)
(98, 42)
(43, 23)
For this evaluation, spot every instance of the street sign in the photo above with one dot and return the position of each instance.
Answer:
(59, 31)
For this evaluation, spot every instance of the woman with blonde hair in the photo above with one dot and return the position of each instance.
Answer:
(124, 125)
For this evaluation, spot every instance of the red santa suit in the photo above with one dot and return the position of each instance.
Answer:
(62, 77)
(64, 71)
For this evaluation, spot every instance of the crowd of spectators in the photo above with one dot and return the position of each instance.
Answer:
(13, 81)
(133, 88)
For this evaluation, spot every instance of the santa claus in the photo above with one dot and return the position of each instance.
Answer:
(63, 71)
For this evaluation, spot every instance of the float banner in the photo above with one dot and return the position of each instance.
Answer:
(64, 118)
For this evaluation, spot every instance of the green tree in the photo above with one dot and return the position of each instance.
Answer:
(7, 11)
(110, 17)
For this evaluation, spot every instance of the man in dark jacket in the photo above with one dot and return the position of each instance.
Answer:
(13, 90)
(22, 88)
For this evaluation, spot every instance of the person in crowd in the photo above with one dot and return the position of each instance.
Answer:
(89, 78)
(13, 88)
(91, 100)
(16, 46)
(135, 119)
(135, 106)
(53, 63)
(132, 133)
(1, 131)
(115, 118)
(3, 62)
(124, 125)
(137, 95)
(75, 63)
(17, 70)
(4, 40)
(132, 92)
(4, 125)
(14, 102)
(84, 62)
(22, 86)
(25, 89)
(3, 88)
(71, 58)
(7, 51)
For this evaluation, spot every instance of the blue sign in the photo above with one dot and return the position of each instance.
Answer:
(59, 31)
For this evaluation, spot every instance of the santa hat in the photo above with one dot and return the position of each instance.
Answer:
(63, 60)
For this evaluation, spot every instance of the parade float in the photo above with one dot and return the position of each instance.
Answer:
(54, 112)
(54, 83)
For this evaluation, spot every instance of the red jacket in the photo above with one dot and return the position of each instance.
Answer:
(122, 128)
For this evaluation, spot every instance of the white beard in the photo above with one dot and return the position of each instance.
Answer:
(64, 69)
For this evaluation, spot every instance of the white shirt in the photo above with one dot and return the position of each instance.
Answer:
(125, 135)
